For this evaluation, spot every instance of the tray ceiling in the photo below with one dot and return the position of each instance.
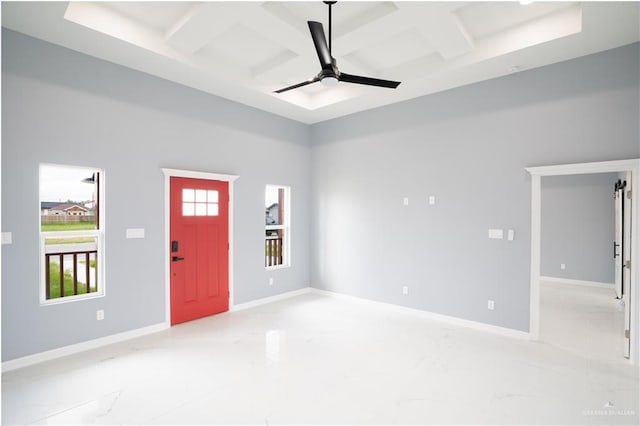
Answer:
(243, 51)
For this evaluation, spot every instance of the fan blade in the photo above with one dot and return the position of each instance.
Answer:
(295, 86)
(320, 42)
(348, 78)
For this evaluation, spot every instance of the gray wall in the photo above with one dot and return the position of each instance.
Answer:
(578, 227)
(351, 233)
(60, 106)
(468, 147)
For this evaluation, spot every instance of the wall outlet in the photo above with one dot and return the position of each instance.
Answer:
(491, 305)
(405, 290)
(510, 235)
(405, 201)
(100, 314)
(432, 200)
(563, 266)
(270, 280)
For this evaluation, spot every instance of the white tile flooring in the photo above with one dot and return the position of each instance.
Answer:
(314, 359)
(582, 320)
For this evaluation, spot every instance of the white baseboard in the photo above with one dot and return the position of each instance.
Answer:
(509, 332)
(270, 299)
(115, 338)
(28, 360)
(576, 282)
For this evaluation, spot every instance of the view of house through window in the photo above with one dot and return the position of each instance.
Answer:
(70, 232)
(277, 226)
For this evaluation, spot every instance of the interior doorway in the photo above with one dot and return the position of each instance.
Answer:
(630, 299)
(580, 309)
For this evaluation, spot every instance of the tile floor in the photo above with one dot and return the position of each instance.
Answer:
(315, 359)
(582, 320)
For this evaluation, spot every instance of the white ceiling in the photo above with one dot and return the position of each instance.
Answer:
(243, 51)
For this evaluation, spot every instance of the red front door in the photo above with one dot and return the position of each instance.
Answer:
(199, 253)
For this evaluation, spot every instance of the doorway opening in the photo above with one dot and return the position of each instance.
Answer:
(630, 299)
(580, 309)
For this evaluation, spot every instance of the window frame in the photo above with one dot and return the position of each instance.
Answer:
(98, 233)
(285, 227)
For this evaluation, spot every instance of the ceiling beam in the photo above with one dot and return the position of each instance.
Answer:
(263, 21)
(439, 26)
(369, 34)
(204, 22)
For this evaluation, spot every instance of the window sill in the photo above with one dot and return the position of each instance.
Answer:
(70, 299)
(273, 268)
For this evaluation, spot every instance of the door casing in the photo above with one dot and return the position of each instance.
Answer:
(633, 167)
(168, 174)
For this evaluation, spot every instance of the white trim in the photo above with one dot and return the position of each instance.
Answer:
(584, 168)
(630, 165)
(127, 335)
(99, 233)
(534, 270)
(480, 326)
(286, 226)
(570, 281)
(168, 174)
(28, 360)
(276, 267)
(198, 175)
(270, 299)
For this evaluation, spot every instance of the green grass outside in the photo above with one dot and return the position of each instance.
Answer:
(92, 263)
(54, 291)
(77, 240)
(67, 226)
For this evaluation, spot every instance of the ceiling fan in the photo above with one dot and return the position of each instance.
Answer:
(329, 75)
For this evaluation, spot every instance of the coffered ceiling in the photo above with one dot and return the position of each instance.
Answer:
(243, 51)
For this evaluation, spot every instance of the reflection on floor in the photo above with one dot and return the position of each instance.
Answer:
(317, 359)
(587, 321)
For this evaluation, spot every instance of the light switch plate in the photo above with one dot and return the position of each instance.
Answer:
(432, 200)
(135, 233)
(405, 201)
(496, 234)
(510, 235)
(7, 238)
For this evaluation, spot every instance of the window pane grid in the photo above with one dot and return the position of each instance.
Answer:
(200, 202)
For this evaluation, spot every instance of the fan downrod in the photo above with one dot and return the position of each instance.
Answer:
(330, 3)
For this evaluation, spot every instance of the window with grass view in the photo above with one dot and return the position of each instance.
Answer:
(71, 234)
(277, 222)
